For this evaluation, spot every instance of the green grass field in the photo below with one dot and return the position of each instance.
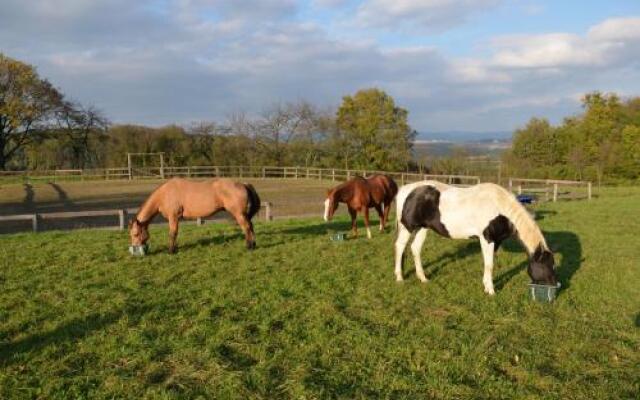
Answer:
(304, 317)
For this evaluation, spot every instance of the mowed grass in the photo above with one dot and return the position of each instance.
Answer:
(304, 317)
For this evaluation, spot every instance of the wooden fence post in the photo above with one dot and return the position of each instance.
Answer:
(520, 189)
(122, 216)
(129, 165)
(34, 222)
(511, 185)
(264, 172)
(333, 174)
(555, 192)
(589, 190)
(348, 174)
(267, 211)
(546, 192)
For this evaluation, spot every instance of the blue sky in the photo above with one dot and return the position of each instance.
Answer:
(456, 65)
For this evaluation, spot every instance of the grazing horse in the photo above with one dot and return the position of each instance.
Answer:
(486, 211)
(181, 198)
(377, 191)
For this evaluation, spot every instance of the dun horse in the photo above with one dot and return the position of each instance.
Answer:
(180, 198)
(377, 191)
(486, 211)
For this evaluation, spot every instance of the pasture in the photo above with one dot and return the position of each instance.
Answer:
(303, 317)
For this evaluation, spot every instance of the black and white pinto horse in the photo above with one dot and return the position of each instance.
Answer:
(486, 211)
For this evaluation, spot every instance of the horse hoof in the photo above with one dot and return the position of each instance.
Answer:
(251, 245)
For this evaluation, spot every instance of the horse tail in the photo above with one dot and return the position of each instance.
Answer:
(254, 201)
(393, 186)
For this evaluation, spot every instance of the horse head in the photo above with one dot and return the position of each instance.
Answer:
(139, 232)
(330, 204)
(541, 267)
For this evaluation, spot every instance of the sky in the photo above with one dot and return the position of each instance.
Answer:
(455, 65)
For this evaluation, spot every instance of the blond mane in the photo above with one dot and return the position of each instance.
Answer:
(527, 229)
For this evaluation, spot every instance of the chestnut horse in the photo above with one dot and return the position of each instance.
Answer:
(377, 191)
(181, 198)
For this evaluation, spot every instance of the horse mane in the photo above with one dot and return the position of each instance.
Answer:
(528, 231)
(147, 204)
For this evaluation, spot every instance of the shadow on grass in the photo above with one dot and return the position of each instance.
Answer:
(565, 243)
(324, 228)
(62, 195)
(638, 320)
(29, 194)
(542, 214)
(65, 333)
(433, 268)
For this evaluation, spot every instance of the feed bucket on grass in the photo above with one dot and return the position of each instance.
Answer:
(337, 236)
(543, 293)
(139, 250)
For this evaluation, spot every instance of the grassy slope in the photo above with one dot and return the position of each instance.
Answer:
(305, 317)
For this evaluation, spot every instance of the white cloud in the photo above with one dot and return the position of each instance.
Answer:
(427, 15)
(606, 43)
(184, 60)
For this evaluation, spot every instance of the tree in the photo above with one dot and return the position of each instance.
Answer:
(27, 104)
(78, 125)
(373, 132)
(282, 125)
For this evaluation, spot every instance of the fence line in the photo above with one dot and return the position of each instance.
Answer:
(238, 171)
(122, 214)
(546, 186)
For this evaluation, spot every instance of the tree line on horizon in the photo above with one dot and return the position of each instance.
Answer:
(600, 144)
(40, 129)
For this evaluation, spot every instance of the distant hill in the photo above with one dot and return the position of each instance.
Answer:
(464, 136)
(491, 147)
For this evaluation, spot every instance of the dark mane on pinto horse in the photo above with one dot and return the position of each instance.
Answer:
(360, 194)
(180, 198)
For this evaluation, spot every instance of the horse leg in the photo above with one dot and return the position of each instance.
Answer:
(380, 214)
(173, 233)
(366, 222)
(354, 225)
(401, 242)
(385, 213)
(487, 254)
(416, 247)
(247, 229)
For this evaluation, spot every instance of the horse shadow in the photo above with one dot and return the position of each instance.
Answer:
(67, 333)
(433, 268)
(565, 243)
(29, 195)
(62, 195)
(638, 320)
(324, 228)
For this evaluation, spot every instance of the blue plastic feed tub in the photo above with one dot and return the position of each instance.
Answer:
(526, 199)
(543, 293)
(139, 250)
